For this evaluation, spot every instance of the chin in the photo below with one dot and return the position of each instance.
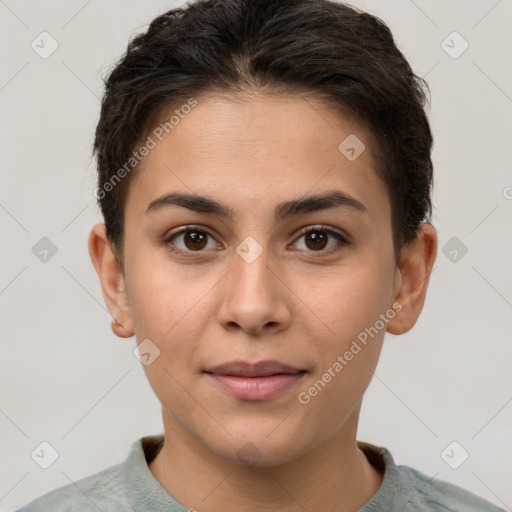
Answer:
(260, 443)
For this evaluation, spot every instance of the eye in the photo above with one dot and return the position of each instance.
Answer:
(194, 239)
(316, 239)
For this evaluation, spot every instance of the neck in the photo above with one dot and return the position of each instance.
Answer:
(334, 476)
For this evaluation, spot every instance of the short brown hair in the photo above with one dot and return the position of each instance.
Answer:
(335, 51)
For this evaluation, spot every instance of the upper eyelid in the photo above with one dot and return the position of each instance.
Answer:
(321, 227)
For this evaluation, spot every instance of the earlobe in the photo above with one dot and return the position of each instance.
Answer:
(119, 329)
(111, 281)
(413, 275)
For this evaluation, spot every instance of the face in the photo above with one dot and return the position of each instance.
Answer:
(294, 287)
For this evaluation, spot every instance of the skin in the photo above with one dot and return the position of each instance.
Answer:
(295, 303)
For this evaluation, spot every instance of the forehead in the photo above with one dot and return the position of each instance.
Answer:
(242, 125)
(258, 150)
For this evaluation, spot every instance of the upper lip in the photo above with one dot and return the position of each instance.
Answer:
(259, 369)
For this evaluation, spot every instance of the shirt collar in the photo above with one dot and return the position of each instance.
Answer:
(145, 492)
(142, 488)
(381, 459)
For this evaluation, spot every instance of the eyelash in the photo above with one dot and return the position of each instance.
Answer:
(314, 229)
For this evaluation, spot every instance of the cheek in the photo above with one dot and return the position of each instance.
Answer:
(165, 299)
(348, 355)
(171, 308)
(355, 298)
(353, 307)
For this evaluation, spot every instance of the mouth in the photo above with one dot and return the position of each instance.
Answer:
(255, 381)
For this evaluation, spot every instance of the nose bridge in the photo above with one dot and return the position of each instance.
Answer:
(252, 297)
(251, 272)
(254, 250)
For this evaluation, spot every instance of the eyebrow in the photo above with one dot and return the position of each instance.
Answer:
(307, 204)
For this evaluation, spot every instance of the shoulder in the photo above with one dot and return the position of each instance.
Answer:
(440, 496)
(102, 491)
(407, 489)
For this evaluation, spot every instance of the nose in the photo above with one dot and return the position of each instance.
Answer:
(254, 297)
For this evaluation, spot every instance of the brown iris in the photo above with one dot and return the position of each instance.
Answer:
(198, 239)
(316, 240)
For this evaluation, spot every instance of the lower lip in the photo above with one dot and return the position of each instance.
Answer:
(256, 388)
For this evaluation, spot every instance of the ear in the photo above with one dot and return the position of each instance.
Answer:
(412, 277)
(111, 280)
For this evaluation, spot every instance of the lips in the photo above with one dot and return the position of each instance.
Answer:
(255, 381)
(261, 369)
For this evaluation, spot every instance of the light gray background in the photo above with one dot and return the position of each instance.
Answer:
(66, 379)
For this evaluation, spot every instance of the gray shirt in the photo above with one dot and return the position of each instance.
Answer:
(130, 486)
